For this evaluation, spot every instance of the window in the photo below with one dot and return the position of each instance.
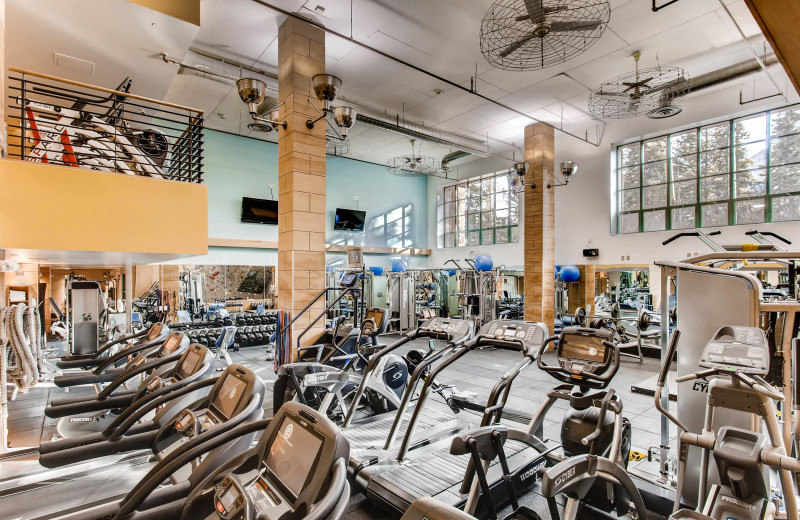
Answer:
(740, 171)
(480, 211)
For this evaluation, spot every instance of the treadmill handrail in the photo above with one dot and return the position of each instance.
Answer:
(468, 347)
(338, 480)
(373, 362)
(105, 346)
(128, 374)
(133, 349)
(180, 457)
(135, 412)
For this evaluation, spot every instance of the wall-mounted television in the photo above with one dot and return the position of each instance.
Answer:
(349, 219)
(259, 211)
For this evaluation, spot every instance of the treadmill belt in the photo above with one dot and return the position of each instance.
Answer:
(434, 473)
(373, 434)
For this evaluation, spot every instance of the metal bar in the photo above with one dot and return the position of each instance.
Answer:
(419, 69)
(101, 89)
(325, 311)
(657, 8)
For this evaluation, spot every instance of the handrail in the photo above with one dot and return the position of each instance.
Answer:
(101, 89)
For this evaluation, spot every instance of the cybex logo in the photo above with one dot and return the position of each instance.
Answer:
(396, 376)
(564, 477)
(312, 380)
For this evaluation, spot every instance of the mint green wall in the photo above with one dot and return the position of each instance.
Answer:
(235, 167)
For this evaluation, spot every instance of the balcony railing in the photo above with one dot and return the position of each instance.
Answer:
(58, 121)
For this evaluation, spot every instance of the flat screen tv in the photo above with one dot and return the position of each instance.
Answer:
(349, 219)
(259, 211)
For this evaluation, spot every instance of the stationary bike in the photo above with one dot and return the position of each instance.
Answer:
(738, 359)
(595, 438)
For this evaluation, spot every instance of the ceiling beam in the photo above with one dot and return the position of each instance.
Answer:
(779, 20)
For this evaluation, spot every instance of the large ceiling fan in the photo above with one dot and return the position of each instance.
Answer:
(652, 91)
(535, 34)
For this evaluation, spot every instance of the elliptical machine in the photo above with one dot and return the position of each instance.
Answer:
(327, 388)
(739, 358)
(595, 438)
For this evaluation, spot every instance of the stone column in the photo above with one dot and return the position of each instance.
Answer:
(301, 176)
(539, 222)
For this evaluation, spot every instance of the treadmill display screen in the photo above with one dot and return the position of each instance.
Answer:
(292, 455)
(189, 362)
(171, 344)
(229, 395)
(228, 497)
(583, 348)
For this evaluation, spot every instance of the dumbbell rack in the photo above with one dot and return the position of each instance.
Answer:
(252, 330)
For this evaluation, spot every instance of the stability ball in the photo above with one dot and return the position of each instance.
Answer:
(484, 262)
(570, 273)
(376, 270)
(558, 268)
(451, 272)
(399, 266)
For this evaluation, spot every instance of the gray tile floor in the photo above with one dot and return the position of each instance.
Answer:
(476, 372)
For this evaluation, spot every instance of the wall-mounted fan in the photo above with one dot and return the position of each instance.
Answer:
(535, 34)
(652, 91)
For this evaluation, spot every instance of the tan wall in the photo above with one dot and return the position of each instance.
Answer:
(56, 207)
(186, 10)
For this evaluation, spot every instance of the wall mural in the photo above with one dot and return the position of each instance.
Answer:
(236, 281)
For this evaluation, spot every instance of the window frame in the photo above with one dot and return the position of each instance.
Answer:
(450, 237)
(731, 202)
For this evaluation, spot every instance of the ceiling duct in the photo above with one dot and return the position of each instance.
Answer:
(219, 69)
(422, 132)
(723, 75)
(222, 71)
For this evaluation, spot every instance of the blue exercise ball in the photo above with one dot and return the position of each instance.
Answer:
(558, 268)
(570, 273)
(399, 266)
(376, 270)
(451, 272)
(484, 262)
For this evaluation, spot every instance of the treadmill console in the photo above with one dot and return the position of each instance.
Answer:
(349, 279)
(530, 334)
(582, 351)
(458, 330)
(296, 453)
(737, 349)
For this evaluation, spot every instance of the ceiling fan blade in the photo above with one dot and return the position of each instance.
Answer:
(516, 45)
(535, 10)
(663, 86)
(547, 10)
(577, 25)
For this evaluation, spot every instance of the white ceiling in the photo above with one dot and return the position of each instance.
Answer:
(440, 36)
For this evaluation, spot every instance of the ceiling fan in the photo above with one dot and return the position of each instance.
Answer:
(413, 164)
(652, 91)
(534, 34)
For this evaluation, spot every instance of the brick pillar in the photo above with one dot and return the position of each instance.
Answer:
(301, 176)
(586, 284)
(539, 231)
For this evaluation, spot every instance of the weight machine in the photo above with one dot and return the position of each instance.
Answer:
(476, 292)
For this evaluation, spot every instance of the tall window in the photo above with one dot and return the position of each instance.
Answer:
(740, 171)
(479, 211)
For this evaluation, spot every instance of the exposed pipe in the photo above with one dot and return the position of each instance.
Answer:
(420, 131)
(452, 156)
(719, 76)
(423, 71)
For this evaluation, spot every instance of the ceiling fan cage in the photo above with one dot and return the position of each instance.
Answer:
(639, 92)
(536, 34)
(337, 148)
(412, 165)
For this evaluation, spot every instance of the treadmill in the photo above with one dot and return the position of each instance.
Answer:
(396, 482)
(369, 436)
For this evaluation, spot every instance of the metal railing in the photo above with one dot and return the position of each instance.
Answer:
(63, 122)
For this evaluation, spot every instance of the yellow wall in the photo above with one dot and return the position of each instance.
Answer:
(72, 209)
(186, 10)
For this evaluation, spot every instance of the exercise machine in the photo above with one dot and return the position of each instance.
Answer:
(85, 304)
(296, 471)
(132, 363)
(595, 437)
(93, 413)
(476, 293)
(733, 366)
(132, 343)
(423, 465)
(236, 398)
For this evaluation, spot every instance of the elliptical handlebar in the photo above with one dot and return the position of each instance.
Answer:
(601, 419)
(560, 373)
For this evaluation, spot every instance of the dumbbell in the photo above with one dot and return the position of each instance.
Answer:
(259, 336)
(218, 322)
(226, 321)
(240, 321)
(643, 321)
